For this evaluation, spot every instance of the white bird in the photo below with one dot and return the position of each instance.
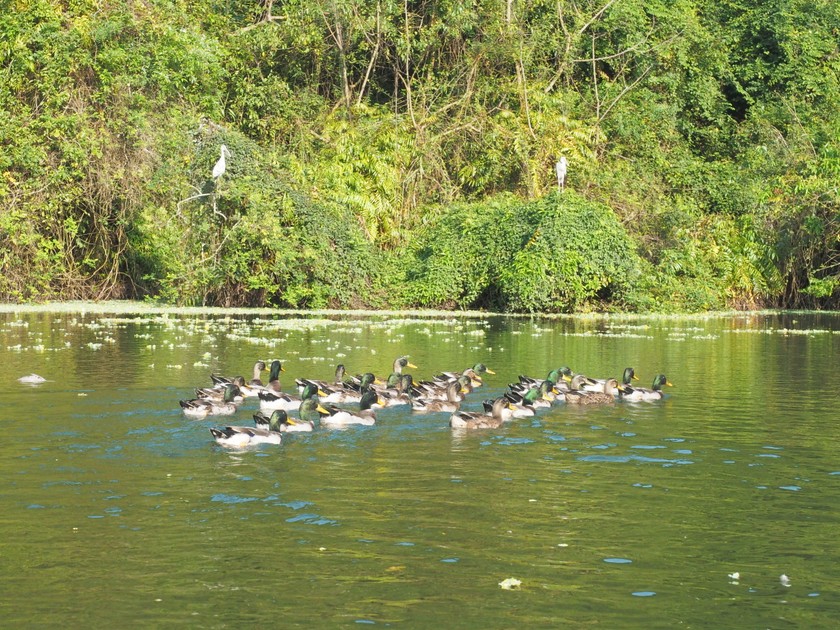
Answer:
(561, 167)
(221, 165)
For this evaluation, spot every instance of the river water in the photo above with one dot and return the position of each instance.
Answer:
(687, 512)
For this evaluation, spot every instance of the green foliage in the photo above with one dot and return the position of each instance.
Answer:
(559, 253)
(249, 239)
(403, 153)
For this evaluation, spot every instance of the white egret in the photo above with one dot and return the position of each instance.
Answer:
(219, 168)
(561, 172)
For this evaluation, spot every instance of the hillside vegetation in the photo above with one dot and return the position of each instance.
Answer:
(401, 154)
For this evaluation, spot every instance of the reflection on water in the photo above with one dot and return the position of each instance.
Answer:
(632, 515)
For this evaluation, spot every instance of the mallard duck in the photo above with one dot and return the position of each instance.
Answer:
(259, 368)
(474, 372)
(525, 404)
(273, 384)
(437, 390)
(240, 437)
(339, 380)
(365, 415)
(202, 407)
(394, 378)
(401, 363)
(454, 397)
(288, 402)
(312, 411)
(597, 384)
(402, 394)
(557, 375)
(635, 394)
(520, 408)
(577, 396)
(283, 423)
(501, 413)
(348, 392)
(217, 394)
(541, 395)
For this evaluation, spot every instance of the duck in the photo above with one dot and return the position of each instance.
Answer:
(542, 395)
(259, 368)
(393, 381)
(283, 423)
(347, 392)
(274, 370)
(597, 384)
(501, 413)
(635, 394)
(311, 411)
(437, 390)
(202, 407)
(577, 396)
(525, 404)
(217, 394)
(454, 397)
(520, 408)
(474, 373)
(288, 402)
(241, 437)
(402, 394)
(344, 417)
(400, 363)
(557, 375)
(339, 380)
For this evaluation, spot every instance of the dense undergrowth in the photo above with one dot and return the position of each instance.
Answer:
(402, 154)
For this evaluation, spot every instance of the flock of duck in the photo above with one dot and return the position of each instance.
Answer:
(349, 400)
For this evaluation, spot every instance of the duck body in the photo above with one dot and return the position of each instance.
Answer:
(557, 375)
(217, 394)
(454, 396)
(475, 373)
(520, 406)
(242, 437)
(269, 401)
(343, 417)
(578, 396)
(501, 413)
(203, 407)
(643, 394)
(401, 394)
(338, 382)
(347, 392)
(259, 368)
(597, 384)
(282, 423)
(538, 396)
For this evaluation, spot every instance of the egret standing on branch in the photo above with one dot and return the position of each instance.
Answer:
(218, 171)
(219, 168)
(561, 173)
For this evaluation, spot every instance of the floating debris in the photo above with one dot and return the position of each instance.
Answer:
(784, 580)
(32, 379)
(510, 584)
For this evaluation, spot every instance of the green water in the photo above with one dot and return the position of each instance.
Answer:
(119, 510)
